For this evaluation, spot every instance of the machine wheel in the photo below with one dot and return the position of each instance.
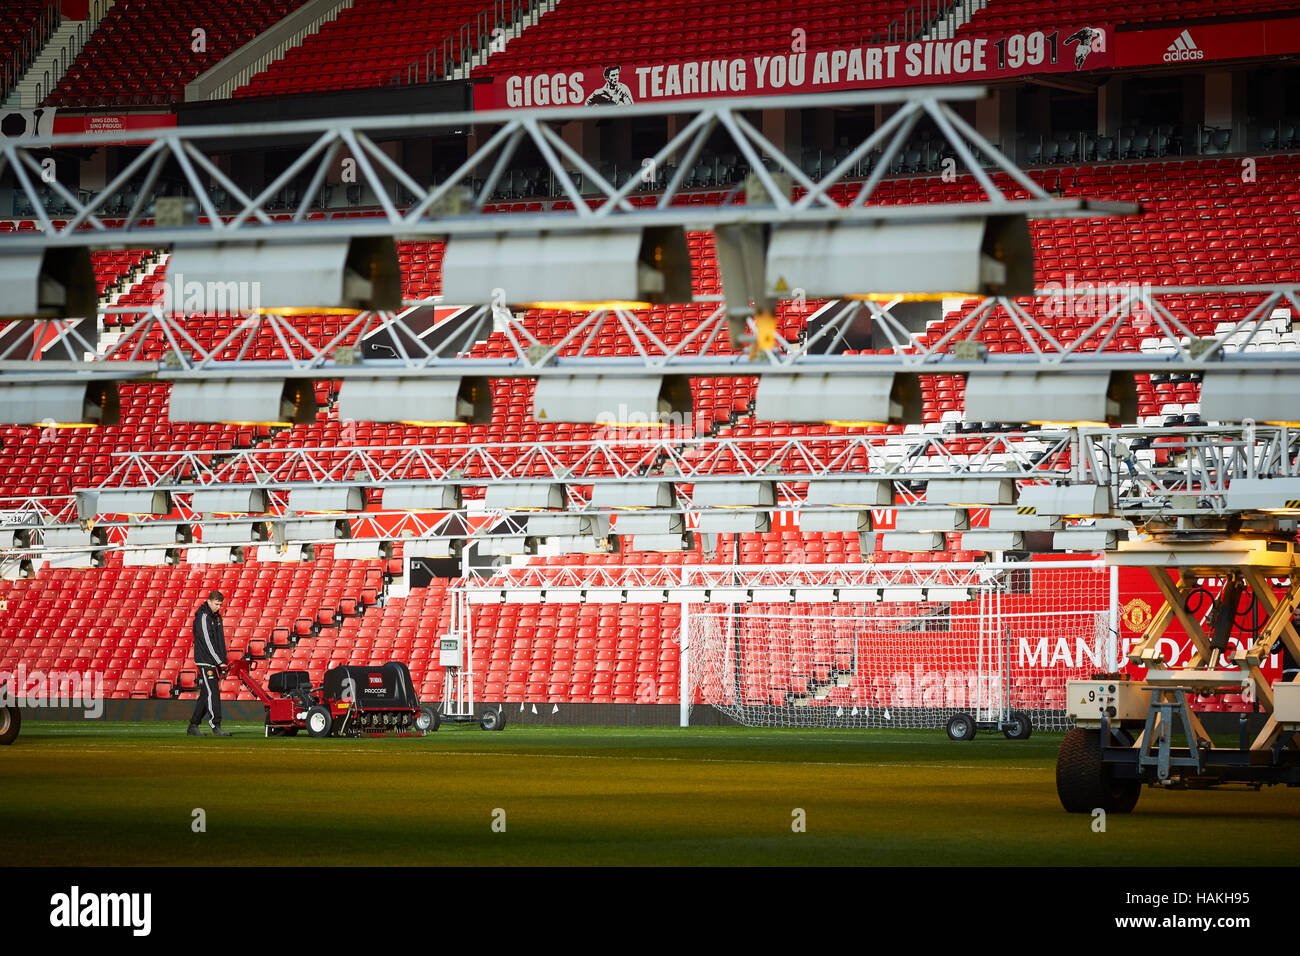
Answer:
(319, 721)
(961, 727)
(11, 718)
(493, 720)
(289, 731)
(1084, 783)
(426, 721)
(1020, 727)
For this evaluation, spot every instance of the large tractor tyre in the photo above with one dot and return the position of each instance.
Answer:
(319, 722)
(11, 718)
(961, 727)
(426, 721)
(493, 720)
(1084, 783)
(1020, 727)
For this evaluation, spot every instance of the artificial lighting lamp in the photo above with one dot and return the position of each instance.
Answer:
(548, 525)
(1279, 496)
(610, 269)
(970, 492)
(984, 256)
(993, 541)
(847, 401)
(841, 520)
(51, 284)
(734, 494)
(59, 405)
(333, 275)
(660, 543)
(422, 498)
(426, 402)
(1069, 501)
(124, 502)
(1265, 397)
(235, 532)
(616, 495)
(735, 522)
(232, 501)
(316, 529)
(370, 549)
(214, 555)
(911, 541)
(524, 497)
(330, 499)
(852, 492)
(280, 402)
(506, 546)
(931, 519)
(1052, 398)
(650, 523)
(159, 533)
(73, 537)
(650, 401)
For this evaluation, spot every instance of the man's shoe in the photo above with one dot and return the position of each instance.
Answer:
(194, 731)
(218, 732)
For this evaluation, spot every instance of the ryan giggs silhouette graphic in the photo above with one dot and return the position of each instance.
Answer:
(1084, 36)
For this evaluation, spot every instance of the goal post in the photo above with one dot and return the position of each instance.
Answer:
(911, 658)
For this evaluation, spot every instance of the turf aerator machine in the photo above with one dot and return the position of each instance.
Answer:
(352, 701)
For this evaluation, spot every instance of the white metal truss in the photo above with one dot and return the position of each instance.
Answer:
(322, 142)
(1185, 475)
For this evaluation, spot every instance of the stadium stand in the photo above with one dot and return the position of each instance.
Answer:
(366, 45)
(143, 53)
(613, 33)
(1203, 223)
(1019, 14)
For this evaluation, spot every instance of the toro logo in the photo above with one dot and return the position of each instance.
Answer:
(1183, 48)
(376, 680)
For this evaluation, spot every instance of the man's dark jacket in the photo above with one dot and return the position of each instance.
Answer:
(209, 637)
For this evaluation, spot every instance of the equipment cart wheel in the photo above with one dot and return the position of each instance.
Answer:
(1084, 783)
(1020, 727)
(11, 718)
(319, 721)
(493, 720)
(426, 721)
(961, 727)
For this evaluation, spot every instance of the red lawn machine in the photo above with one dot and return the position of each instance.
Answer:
(352, 701)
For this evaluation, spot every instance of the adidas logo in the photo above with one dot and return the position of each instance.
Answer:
(1183, 48)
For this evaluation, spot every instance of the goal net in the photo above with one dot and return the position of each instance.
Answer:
(1009, 642)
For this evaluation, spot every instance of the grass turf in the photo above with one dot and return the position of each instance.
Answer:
(123, 794)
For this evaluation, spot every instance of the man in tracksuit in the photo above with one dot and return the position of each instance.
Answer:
(210, 659)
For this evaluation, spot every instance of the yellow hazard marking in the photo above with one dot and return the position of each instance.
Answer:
(1027, 510)
(781, 285)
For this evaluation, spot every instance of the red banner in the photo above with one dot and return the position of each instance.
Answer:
(1198, 43)
(965, 59)
(111, 122)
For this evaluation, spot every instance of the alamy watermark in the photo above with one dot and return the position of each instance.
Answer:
(39, 688)
(177, 296)
(1090, 300)
(626, 424)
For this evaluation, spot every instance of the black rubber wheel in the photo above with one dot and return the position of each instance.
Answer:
(1020, 728)
(290, 731)
(493, 720)
(961, 727)
(11, 719)
(426, 721)
(1084, 783)
(319, 722)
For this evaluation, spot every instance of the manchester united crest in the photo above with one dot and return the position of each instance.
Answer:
(1137, 615)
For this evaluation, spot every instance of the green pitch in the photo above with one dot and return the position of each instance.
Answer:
(115, 794)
